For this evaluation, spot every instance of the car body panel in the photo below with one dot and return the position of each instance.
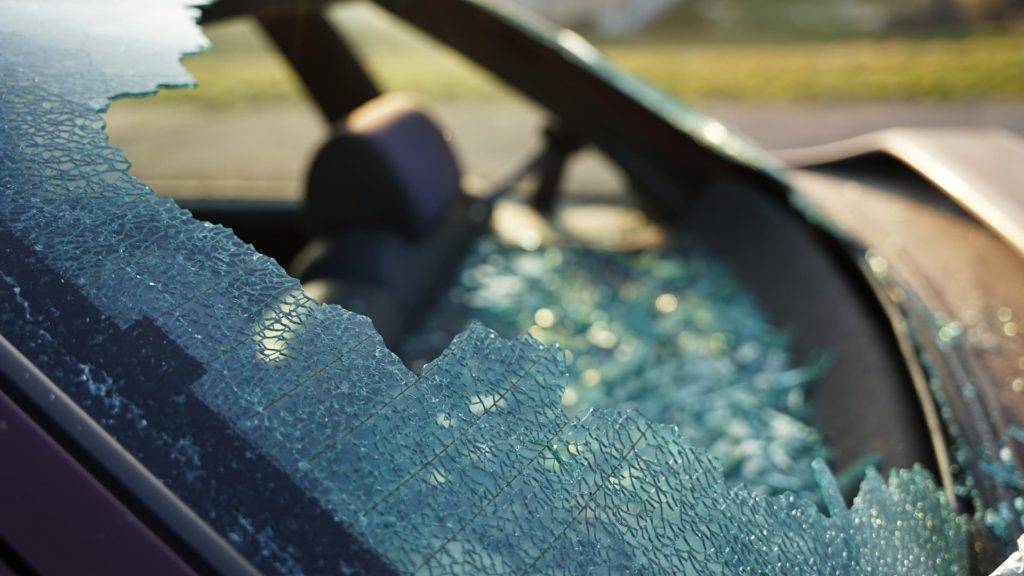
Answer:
(951, 280)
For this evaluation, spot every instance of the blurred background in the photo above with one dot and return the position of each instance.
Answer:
(788, 73)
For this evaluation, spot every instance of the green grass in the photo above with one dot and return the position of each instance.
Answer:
(969, 68)
(243, 69)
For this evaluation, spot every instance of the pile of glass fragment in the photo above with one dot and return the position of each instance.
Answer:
(668, 334)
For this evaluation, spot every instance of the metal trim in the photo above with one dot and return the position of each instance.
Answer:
(126, 478)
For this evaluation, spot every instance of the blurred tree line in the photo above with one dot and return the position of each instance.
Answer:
(738, 19)
(957, 13)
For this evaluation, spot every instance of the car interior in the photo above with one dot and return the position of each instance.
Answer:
(386, 198)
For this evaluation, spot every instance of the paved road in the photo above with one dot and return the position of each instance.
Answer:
(264, 151)
(791, 126)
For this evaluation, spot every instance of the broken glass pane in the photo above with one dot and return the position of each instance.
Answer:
(294, 432)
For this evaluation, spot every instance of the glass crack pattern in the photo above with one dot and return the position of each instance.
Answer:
(470, 467)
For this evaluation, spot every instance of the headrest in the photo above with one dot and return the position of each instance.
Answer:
(387, 166)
